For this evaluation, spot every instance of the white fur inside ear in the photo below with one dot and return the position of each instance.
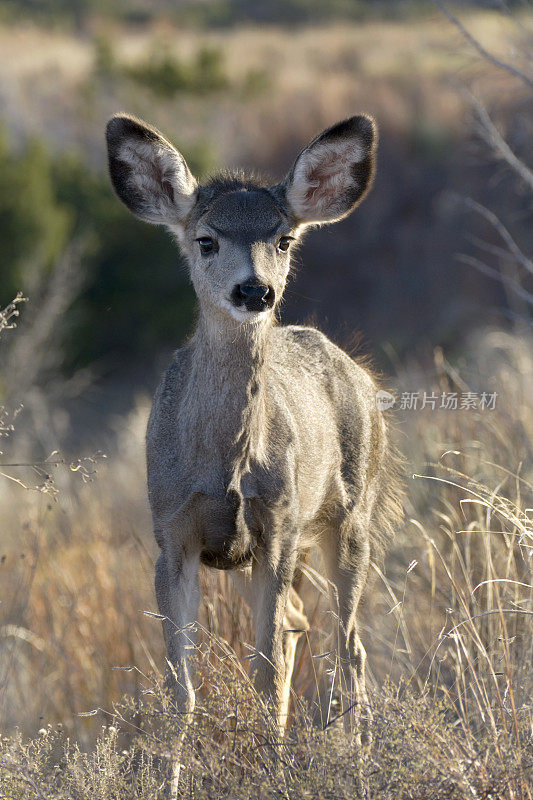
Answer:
(160, 175)
(322, 177)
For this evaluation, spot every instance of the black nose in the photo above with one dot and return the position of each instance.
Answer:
(253, 295)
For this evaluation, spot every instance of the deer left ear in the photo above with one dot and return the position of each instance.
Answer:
(334, 172)
(149, 175)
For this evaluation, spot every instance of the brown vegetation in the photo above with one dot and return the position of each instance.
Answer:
(447, 619)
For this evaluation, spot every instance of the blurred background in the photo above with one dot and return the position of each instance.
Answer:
(237, 82)
(431, 275)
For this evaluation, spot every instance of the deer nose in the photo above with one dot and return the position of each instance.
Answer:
(253, 295)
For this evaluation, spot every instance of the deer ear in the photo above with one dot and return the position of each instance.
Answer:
(334, 172)
(149, 175)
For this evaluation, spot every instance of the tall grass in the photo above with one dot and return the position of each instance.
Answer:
(446, 623)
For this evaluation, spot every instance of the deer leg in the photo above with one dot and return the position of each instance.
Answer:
(176, 586)
(272, 583)
(346, 555)
(294, 624)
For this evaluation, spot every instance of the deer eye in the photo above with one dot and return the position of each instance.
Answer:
(207, 245)
(284, 243)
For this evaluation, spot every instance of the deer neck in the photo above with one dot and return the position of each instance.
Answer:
(229, 370)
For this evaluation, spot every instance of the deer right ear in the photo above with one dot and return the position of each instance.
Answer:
(333, 173)
(148, 174)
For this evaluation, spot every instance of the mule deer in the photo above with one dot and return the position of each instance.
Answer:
(263, 439)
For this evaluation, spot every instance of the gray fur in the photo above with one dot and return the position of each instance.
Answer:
(263, 440)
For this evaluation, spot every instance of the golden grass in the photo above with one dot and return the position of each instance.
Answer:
(301, 54)
(446, 622)
(314, 75)
(451, 612)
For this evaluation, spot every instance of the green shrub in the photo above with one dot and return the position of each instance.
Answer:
(105, 65)
(34, 226)
(45, 202)
(166, 75)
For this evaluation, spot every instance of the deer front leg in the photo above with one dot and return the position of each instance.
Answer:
(176, 587)
(294, 624)
(272, 580)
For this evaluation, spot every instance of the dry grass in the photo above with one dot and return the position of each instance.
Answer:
(314, 75)
(446, 621)
(299, 54)
(446, 624)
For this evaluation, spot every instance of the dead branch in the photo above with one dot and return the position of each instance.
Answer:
(496, 142)
(494, 273)
(500, 228)
(509, 68)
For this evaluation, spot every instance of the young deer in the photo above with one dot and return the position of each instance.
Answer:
(262, 439)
